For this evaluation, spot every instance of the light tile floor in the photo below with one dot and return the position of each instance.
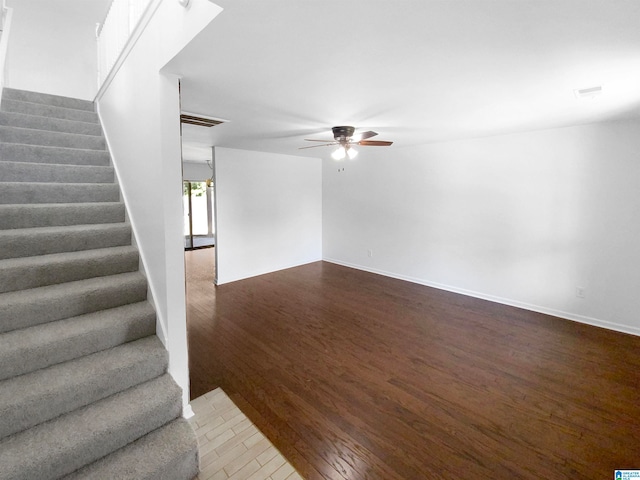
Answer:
(231, 447)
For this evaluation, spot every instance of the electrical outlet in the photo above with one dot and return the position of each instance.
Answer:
(580, 292)
(369, 253)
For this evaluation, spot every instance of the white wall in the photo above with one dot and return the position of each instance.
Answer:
(268, 212)
(140, 113)
(53, 46)
(521, 219)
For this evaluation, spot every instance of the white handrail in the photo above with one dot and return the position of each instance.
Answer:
(113, 34)
(7, 15)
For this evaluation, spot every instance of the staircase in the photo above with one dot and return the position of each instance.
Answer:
(84, 392)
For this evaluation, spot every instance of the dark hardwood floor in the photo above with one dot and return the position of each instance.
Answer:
(358, 376)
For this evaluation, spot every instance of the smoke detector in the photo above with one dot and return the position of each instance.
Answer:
(590, 92)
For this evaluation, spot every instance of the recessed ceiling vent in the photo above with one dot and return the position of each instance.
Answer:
(200, 120)
(588, 92)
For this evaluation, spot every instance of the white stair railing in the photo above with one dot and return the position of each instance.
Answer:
(5, 27)
(115, 31)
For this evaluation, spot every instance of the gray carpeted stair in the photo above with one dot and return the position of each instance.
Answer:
(26, 192)
(26, 242)
(73, 440)
(84, 391)
(19, 152)
(49, 123)
(51, 215)
(49, 106)
(26, 172)
(47, 99)
(26, 308)
(167, 450)
(36, 397)
(41, 270)
(56, 342)
(30, 136)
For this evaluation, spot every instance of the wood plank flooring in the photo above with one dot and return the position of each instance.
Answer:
(357, 376)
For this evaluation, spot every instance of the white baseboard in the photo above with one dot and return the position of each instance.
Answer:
(187, 411)
(505, 301)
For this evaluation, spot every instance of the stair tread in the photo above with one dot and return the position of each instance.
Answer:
(56, 185)
(58, 165)
(24, 152)
(29, 272)
(33, 215)
(32, 262)
(55, 173)
(41, 346)
(70, 229)
(38, 131)
(168, 453)
(49, 111)
(39, 396)
(49, 99)
(25, 242)
(24, 308)
(47, 138)
(50, 124)
(53, 147)
(50, 192)
(58, 205)
(78, 438)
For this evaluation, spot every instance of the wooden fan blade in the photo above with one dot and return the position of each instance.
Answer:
(374, 143)
(365, 135)
(315, 146)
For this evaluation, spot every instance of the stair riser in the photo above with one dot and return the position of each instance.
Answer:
(88, 434)
(169, 453)
(42, 172)
(35, 215)
(28, 136)
(49, 304)
(15, 276)
(17, 193)
(47, 99)
(26, 243)
(56, 342)
(17, 152)
(49, 124)
(65, 387)
(26, 108)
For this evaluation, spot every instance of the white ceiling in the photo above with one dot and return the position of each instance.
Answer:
(415, 71)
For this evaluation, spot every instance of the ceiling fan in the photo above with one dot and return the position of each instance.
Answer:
(345, 139)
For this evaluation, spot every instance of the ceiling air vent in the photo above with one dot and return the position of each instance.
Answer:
(195, 119)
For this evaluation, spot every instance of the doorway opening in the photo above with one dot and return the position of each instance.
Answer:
(199, 225)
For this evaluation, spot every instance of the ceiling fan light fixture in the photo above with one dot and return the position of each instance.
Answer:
(344, 138)
(339, 153)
